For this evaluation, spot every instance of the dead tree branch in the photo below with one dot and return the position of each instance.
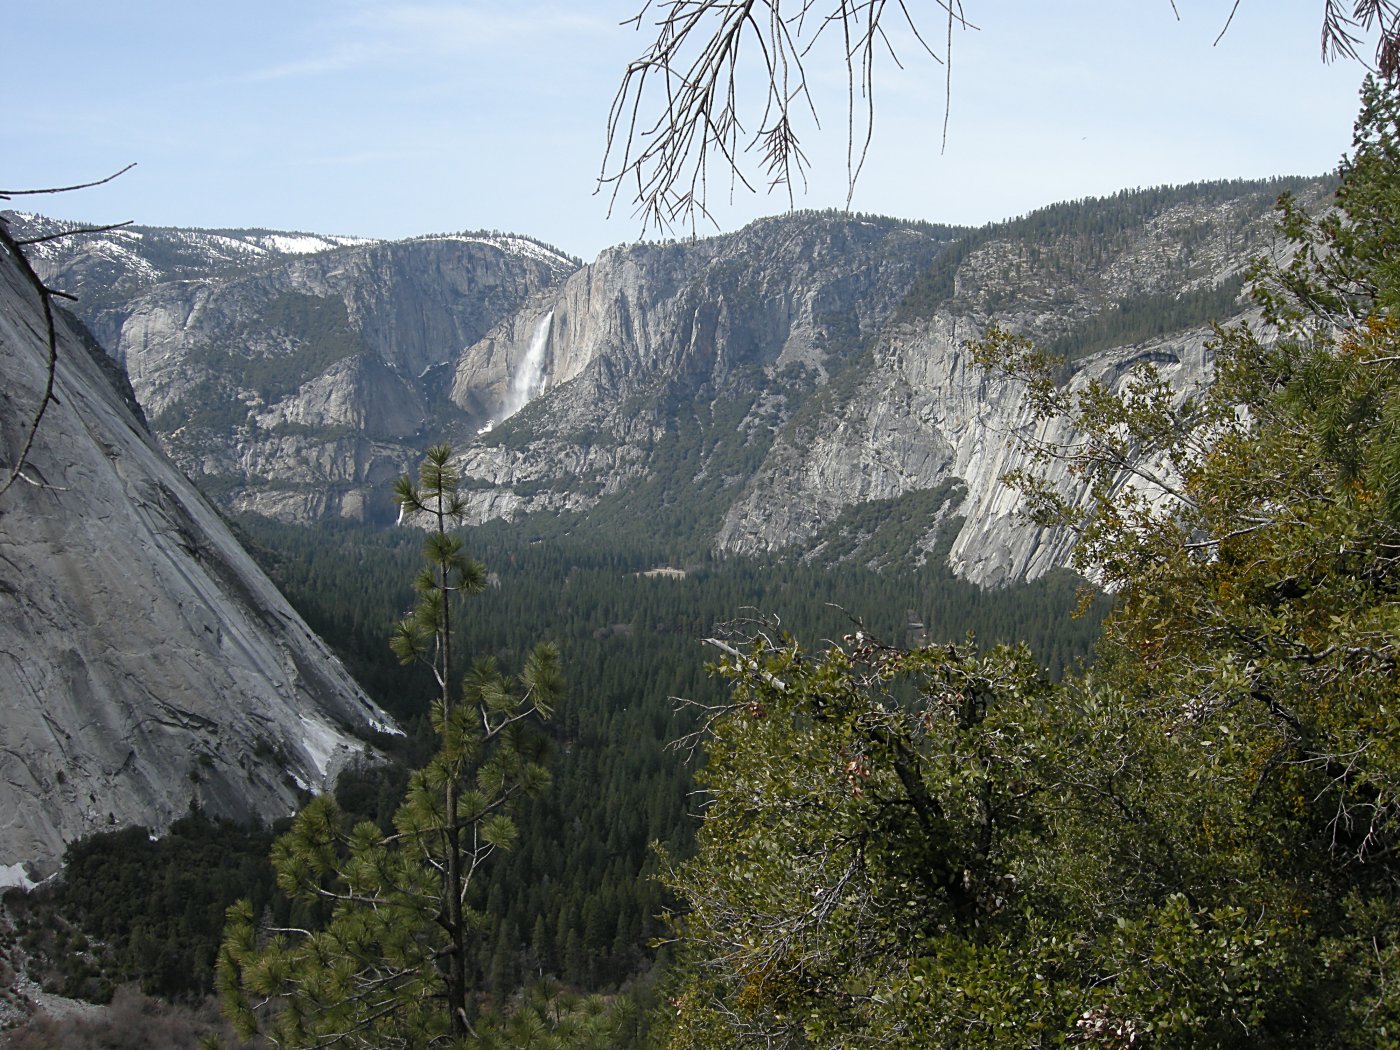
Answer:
(7, 194)
(663, 152)
(722, 78)
(15, 247)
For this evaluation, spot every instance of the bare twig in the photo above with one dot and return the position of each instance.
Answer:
(663, 151)
(15, 247)
(1223, 29)
(7, 194)
(71, 233)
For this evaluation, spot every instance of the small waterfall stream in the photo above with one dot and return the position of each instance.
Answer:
(529, 379)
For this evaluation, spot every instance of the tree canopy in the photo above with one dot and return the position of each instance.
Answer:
(378, 953)
(1190, 844)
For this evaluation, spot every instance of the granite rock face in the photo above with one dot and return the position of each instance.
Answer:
(295, 376)
(1112, 296)
(839, 349)
(743, 393)
(649, 338)
(145, 661)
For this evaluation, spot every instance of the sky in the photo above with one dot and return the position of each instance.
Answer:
(390, 118)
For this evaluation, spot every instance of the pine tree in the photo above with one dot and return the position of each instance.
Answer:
(389, 965)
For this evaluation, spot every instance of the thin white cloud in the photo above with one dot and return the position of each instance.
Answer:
(339, 60)
(379, 36)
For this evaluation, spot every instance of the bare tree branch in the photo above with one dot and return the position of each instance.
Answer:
(679, 107)
(15, 248)
(1342, 32)
(17, 468)
(7, 194)
(71, 233)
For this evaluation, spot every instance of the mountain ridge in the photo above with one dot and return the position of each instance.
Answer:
(737, 392)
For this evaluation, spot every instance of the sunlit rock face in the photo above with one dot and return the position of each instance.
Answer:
(297, 375)
(145, 661)
(754, 388)
(839, 349)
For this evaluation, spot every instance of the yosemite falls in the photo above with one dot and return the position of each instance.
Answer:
(529, 380)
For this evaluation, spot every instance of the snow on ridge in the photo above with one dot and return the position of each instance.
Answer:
(348, 242)
(124, 256)
(306, 243)
(232, 245)
(521, 246)
(515, 245)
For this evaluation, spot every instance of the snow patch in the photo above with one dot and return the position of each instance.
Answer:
(305, 243)
(321, 742)
(124, 256)
(218, 240)
(14, 875)
(514, 245)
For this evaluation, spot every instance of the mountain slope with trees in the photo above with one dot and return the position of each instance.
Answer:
(735, 394)
(1191, 844)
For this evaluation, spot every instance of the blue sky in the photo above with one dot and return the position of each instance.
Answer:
(390, 119)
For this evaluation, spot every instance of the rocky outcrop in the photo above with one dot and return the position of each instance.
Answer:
(648, 334)
(293, 374)
(1146, 294)
(789, 291)
(109, 268)
(303, 388)
(928, 413)
(145, 661)
(923, 412)
(838, 348)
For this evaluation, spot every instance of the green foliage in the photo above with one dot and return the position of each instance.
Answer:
(861, 807)
(932, 847)
(548, 1017)
(1192, 844)
(145, 910)
(1146, 317)
(380, 958)
(887, 533)
(575, 897)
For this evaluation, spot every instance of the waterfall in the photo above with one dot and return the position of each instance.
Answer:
(529, 380)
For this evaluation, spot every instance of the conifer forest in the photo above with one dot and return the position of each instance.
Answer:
(634, 791)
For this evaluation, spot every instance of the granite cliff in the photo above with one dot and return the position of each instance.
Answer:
(740, 394)
(771, 381)
(294, 375)
(145, 662)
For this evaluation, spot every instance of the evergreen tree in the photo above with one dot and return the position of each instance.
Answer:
(387, 963)
(1191, 845)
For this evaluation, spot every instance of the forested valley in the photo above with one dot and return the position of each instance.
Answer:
(650, 795)
(577, 899)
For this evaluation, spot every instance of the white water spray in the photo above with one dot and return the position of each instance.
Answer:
(529, 381)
